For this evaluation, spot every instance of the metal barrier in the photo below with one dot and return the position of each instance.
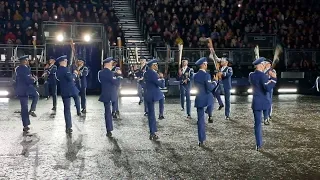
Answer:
(294, 57)
(9, 55)
(243, 56)
(263, 41)
(78, 32)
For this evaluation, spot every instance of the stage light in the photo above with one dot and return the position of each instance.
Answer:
(60, 38)
(128, 92)
(249, 90)
(193, 91)
(239, 5)
(87, 38)
(287, 90)
(4, 100)
(4, 93)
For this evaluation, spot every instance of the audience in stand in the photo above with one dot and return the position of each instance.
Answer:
(20, 20)
(227, 22)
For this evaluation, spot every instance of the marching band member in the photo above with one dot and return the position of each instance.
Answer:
(161, 101)
(23, 89)
(68, 88)
(74, 68)
(82, 82)
(185, 76)
(152, 94)
(204, 97)
(261, 84)
(226, 74)
(115, 103)
(51, 82)
(139, 75)
(267, 113)
(109, 83)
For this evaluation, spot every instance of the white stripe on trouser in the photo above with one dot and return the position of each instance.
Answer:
(270, 110)
(317, 84)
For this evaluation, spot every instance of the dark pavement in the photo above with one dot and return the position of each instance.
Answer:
(291, 149)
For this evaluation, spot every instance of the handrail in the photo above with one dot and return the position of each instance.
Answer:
(72, 23)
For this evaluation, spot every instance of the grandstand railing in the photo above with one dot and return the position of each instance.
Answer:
(240, 56)
(9, 55)
(263, 41)
(75, 31)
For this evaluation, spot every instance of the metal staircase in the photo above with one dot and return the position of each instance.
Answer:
(132, 33)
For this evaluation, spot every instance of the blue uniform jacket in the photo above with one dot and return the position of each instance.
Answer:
(24, 81)
(66, 80)
(271, 92)
(114, 70)
(109, 83)
(261, 85)
(204, 86)
(139, 74)
(187, 74)
(152, 86)
(51, 72)
(226, 77)
(84, 71)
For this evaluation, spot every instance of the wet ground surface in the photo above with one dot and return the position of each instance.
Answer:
(291, 149)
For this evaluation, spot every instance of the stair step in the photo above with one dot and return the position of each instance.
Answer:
(132, 29)
(135, 40)
(132, 33)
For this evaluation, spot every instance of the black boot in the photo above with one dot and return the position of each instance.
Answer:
(210, 119)
(84, 111)
(54, 109)
(114, 115)
(32, 113)
(69, 130)
(220, 107)
(161, 117)
(109, 134)
(153, 137)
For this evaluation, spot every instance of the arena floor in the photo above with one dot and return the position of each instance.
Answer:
(291, 149)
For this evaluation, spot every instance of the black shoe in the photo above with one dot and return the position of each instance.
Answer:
(153, 137)
(258, 148)
(220, 107)
(84, 111)
(26, 129)
(227, 118)
(210, 119)
(78, 113)
(109, 134)
(145, 114)
(201, 144)
(161, 117)
(54, 109)
(266, 122)
(270, 118)
(140, 102)
(69, 130)
(32, 113)
(189, 117)
(114, 115)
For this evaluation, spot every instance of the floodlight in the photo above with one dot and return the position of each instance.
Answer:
(87, 38)
(60, 38)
